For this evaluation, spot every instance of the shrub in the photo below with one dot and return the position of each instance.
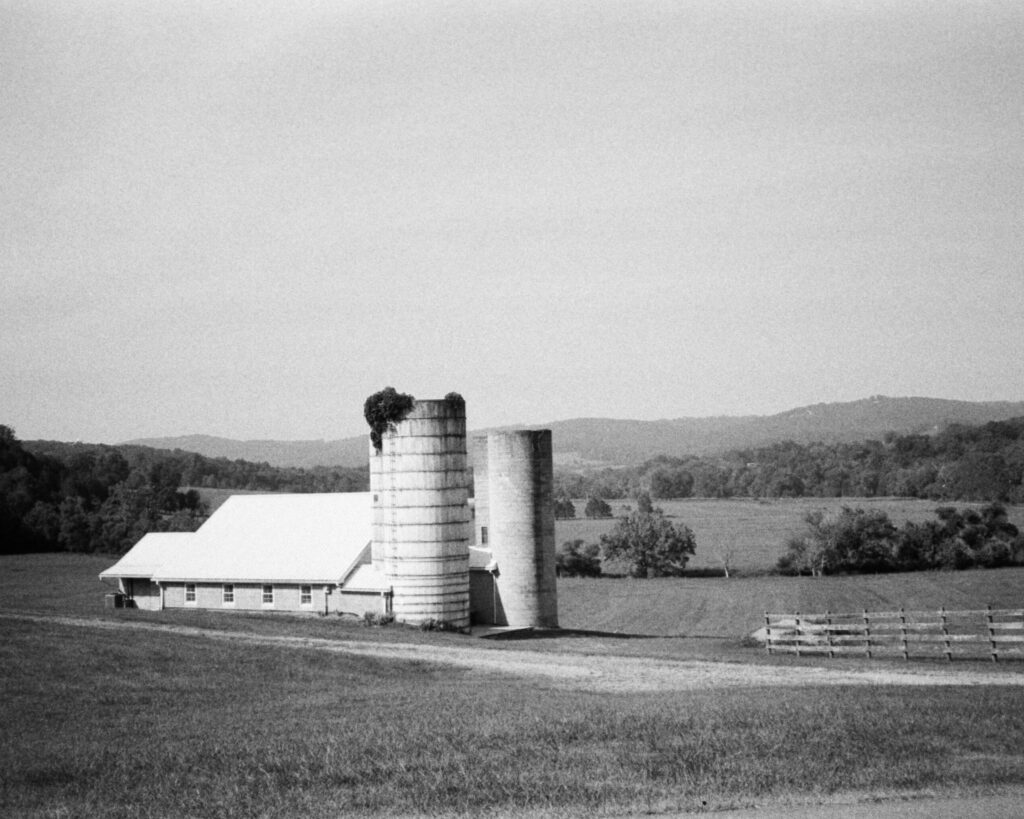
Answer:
(438, 625)
(564, 508)
(578, 559)
(383, 409)
(377, 618)
(597, 508)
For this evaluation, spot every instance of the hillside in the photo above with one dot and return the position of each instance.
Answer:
(607, 441)
(615, 442)
(305, 454)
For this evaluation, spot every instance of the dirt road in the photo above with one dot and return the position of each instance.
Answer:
(579, 671)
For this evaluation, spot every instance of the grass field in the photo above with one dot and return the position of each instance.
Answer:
(107, 723)
(752, 532)
(693, 606)
(99, 724)
(734, 607)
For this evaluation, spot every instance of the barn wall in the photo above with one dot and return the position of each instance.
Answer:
(248, 597)
(145, 594)
(484, 603)
(358, 603)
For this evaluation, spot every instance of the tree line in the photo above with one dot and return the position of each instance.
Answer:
(857, 541)
(57, 496)
(976, 463)
(94, 497)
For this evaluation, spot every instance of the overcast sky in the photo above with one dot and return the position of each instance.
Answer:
(242, 218)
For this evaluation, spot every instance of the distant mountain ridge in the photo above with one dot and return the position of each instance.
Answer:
(607, 441)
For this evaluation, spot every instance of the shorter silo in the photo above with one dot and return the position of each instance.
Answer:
(481, 506)
(521, 525)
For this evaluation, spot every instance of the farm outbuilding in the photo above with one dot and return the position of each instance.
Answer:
(308, 552)
(406, 548)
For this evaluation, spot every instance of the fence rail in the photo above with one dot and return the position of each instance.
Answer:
(988, 633)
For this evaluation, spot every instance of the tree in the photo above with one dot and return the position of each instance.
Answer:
(671, 483)
(597, 508)
(652, 545)
(728, 558)
(850, 540)
(578, 559)
(564, 508)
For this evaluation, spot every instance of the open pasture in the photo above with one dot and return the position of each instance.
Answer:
(734, 607)
(751, 533)
(107, 723)
(717, 607)
(104, 722)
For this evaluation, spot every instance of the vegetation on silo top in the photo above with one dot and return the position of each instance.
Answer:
(383, 409)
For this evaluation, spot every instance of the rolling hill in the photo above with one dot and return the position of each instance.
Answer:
(608, 441)
(306, 454)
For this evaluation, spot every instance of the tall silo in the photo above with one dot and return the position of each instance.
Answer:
(420, 487)
(521, 525)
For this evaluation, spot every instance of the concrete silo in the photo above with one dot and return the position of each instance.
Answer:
(420, 487)
(481, 491)
(520, 522)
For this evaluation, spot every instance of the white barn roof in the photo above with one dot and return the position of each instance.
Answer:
(146, 557)
(270, 538)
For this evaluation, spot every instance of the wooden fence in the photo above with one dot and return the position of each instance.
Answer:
(989, 633)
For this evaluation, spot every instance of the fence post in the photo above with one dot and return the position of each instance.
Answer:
(945, 634)
(799, 634)
(828, 633)
(991, 633)
(767, 632)
(903, 633)
(867, 634)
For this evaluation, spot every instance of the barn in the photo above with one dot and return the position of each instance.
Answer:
(275, 552)
(402, 549)
(281, 552)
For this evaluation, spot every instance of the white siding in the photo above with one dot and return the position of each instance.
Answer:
(143, 593)
(248, 597)
(358, 603)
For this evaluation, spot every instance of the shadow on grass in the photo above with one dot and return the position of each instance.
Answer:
(564, 633)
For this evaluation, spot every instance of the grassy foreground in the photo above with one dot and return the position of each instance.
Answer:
(100, 723)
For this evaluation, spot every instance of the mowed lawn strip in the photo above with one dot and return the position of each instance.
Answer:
(110, 724)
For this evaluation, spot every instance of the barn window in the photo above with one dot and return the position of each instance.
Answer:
(229, 594)
(268, 595)
(190, 594)
(305, 595)
(483, 535)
